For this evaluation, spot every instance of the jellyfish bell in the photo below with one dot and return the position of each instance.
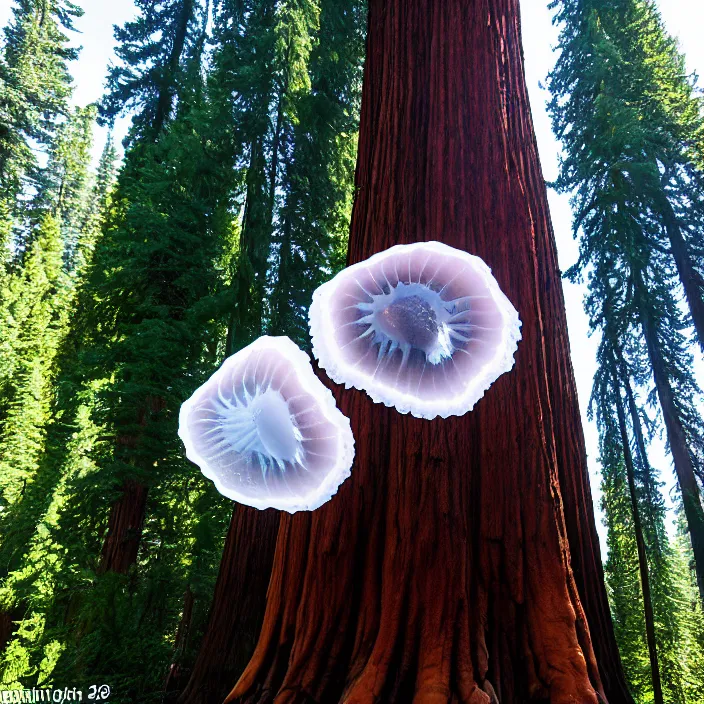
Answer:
(266, 430)
(422, 327)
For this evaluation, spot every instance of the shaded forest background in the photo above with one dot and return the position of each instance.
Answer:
(123, 288)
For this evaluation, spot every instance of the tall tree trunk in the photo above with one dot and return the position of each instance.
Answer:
(651, 491)
(167, 88)
(441, 570)
(246, 314)
(125, 523)
(238, 605)
(177, 675)
(692, 281)
(127, 513)
(676, 435)
(640, 543)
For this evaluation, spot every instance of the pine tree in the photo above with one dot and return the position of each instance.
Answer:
(641, 568)
(622, 568)
(153, 50)
(38, 315)
(319, 168)
(34, 85)
(157, 49)
(616, 143)
(97, 207)
(647, 127)
(63, 185)
(691, 614)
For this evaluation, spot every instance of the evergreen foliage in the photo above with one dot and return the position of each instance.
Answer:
(153, 50)
(168, 270)
(630, 121)
(121, 292)
(34, 85)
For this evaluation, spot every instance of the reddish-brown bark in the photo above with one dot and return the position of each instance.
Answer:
(127, 513)
(238, 605)
(125, 524)
(692, 281)
(7, 628)
(441, 570)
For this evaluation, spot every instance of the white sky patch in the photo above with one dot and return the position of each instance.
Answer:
(684, 20)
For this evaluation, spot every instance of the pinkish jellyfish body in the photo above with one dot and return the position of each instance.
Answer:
(266, 431)
(422, 327)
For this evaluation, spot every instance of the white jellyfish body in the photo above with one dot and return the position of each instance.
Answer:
(266, 431)
(422, 327)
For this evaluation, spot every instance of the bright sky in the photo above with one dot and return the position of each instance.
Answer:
(683, 20)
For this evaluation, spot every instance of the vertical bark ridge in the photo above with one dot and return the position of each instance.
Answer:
(125, 524)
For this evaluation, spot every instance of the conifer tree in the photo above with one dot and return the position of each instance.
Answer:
(156, 48)
(37, 302)
(38, 314)
(153, 50)
(95, 212)
(319, 168)
(641, 569)
(63, 185)
(625, 152)
(34, 84)
(624, 103)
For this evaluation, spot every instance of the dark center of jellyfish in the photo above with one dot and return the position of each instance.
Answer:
(411, 320)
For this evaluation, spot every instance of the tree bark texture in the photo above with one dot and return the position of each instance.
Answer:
(441, 570)
(127, 513)
(238, 605)
(125, 524)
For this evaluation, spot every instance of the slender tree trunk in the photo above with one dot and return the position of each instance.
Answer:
(278, 130)
(640, 543)
(238, 605)
(251, 267)
(167, 88)
(125, 524)
(440, 572)
(177, 675)
(691, 279)
(127, 513)
(651, 492)
(676, 436)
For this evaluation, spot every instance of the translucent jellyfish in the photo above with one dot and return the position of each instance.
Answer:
(422, 327)
(266, 431)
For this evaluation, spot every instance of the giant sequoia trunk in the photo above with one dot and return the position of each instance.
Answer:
(441, 570)
(238, 605)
